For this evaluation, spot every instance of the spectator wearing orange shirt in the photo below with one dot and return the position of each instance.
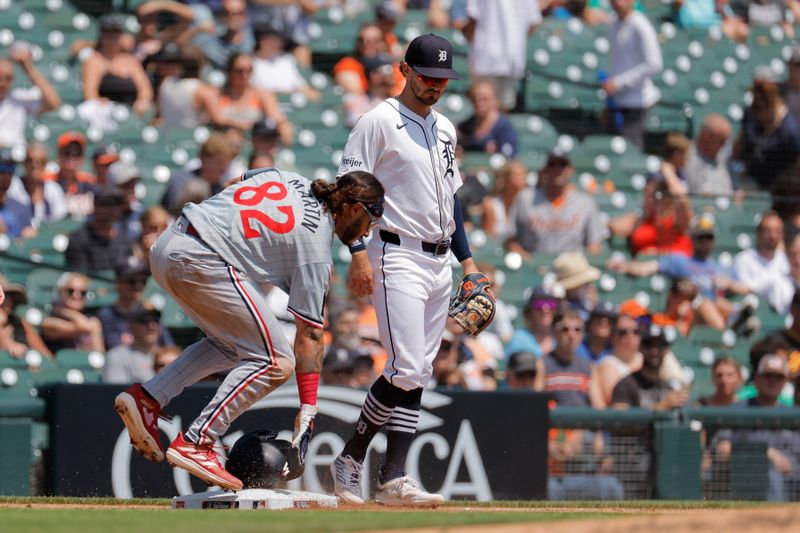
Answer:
(349, 72)
(387, 14)
(662, 227)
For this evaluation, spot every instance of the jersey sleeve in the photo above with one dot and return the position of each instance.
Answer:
(364, 146)
(308, 291)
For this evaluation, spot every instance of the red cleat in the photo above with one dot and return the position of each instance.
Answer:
(201, 461)
(140, 414)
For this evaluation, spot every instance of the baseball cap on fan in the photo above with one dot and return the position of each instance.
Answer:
(432, 56)
(105, 155)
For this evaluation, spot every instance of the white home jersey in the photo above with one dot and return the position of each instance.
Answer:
(414, 159)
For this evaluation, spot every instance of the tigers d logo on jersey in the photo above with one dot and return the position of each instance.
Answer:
(448, 155)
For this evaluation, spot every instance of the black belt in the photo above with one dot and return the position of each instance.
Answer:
(435, 248)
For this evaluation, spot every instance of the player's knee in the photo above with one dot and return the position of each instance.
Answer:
(405, 382)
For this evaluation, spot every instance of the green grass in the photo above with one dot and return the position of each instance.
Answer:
(155, 520)
(195, 521)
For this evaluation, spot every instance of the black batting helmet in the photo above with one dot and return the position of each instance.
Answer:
(262, 461)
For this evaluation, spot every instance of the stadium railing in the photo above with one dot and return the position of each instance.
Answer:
(641, 454)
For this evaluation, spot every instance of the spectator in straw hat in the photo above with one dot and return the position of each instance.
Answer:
(577, 277)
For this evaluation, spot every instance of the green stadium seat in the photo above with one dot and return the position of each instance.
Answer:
(16, 269)
(536, 132)
(46, 247)
(80, 359)
(40, 285)
(102, 290)
(686, 352)
(48, 376)
(8, 361)
(22, 389)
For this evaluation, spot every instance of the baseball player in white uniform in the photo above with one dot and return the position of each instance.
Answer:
(410, 148)
(272, 227)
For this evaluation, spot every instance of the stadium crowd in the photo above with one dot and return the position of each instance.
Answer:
(231, 68)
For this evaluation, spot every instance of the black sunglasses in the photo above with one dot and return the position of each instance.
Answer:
(375, 209)
(76, 292)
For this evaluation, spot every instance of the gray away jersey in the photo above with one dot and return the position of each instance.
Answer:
(273, 229)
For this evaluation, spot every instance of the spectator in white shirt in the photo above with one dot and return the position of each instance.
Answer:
(634, 57)
(17, 105)
(783, 290)
(44, 198)
(275, 70)
(707, 166)
(498, 32)
(760, 268)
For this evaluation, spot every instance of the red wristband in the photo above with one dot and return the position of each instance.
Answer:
(307, 385)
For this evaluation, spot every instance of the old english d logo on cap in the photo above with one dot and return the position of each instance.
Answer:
(432, 56)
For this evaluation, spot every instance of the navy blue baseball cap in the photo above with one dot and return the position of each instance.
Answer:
(432, 56)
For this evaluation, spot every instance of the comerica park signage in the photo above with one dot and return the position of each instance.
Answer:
(469, 445)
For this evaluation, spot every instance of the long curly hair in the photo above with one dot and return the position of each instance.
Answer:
(351, 188)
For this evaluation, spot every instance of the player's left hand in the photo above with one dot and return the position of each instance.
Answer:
(474, 306)
(303, 430)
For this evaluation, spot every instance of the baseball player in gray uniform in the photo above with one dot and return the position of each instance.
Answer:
(272, 227)
(410, 148)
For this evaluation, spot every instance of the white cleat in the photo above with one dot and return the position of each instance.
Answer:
(347, 479)
(406, 491)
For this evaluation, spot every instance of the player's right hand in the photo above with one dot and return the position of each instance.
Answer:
(359, 276)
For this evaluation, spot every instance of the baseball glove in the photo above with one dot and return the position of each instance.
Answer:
(473, 306)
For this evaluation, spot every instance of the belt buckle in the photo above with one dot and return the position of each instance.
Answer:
(442, 247)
